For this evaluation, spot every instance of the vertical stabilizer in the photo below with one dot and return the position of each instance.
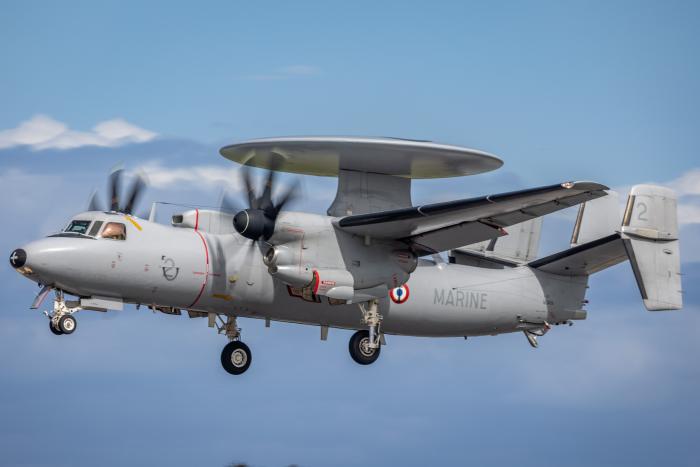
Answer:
(650, 236)
(520, 245)
(597, 219)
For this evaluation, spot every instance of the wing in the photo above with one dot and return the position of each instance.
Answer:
(442, 226)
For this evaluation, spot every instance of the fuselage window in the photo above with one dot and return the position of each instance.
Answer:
(95, 228)
(79, 227)
(114, 231)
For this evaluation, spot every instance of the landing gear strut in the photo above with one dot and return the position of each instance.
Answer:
(365, 346)
(236, 356)
(61, 321)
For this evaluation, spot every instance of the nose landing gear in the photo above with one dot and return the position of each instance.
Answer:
(61, 321)
(66, 324)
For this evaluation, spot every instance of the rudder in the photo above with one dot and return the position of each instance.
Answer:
(650, 236)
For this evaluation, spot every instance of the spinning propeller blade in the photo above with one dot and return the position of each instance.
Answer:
(114, 186)
(114, 189)
(258, 220)
(137, 188)
(95, 204)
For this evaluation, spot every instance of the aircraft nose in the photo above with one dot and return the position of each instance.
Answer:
(18, 258)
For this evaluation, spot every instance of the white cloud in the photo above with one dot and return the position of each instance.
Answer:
(688, 213)
(687, 188)
(43, 132)
(206, 177)
(688, 183)
(199, 175)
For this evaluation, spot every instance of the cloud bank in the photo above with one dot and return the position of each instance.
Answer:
(44, 132)
(203, 176)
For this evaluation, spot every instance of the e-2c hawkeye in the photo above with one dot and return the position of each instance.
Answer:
(372, 264)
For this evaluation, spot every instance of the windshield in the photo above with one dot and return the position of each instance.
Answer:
(79, 227)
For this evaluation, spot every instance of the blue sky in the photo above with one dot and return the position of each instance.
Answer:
(560, 90)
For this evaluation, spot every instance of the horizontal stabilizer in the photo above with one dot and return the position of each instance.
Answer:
(585, 259)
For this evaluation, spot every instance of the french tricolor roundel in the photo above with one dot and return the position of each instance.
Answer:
(399, 294)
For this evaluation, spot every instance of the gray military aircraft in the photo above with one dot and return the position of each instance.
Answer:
(372, 264)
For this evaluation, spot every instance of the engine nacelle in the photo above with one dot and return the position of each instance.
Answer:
(295, 276)
(405, 259)
(283, 264)
(334, 264)
(333, 283)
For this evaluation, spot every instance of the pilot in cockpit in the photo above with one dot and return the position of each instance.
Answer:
(94, 229)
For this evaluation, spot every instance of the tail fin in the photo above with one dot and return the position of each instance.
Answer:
(597, 219)
(519, 246)
(648, 237)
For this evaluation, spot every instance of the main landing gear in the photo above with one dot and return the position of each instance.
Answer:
(61, 321)
(360, 351)
(236, 356)
(365, 346)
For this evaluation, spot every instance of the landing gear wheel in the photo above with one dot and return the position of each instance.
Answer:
(236, 357)
(360, 350)
(55, 330)
(67, 324)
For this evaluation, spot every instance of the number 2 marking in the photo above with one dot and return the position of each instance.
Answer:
(642, 214)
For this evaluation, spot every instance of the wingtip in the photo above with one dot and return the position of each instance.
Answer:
(584, 186)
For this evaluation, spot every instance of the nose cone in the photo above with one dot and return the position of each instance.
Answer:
(241, 221)
(49, 259)
(18, 258)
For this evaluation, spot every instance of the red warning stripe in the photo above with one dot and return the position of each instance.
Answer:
(317, 281)
(206, 256)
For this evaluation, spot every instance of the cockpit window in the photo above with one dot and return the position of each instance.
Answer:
(114, 231)
(79, 227)
(95, 228)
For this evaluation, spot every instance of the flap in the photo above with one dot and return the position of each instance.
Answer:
(443, 226)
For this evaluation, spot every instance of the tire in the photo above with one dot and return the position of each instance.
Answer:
(359, 350)
(236, 357)
(67, 324)
(55, 330)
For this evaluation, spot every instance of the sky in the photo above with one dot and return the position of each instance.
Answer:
(603, 91)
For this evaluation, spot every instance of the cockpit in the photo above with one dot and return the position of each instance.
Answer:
(81, 227)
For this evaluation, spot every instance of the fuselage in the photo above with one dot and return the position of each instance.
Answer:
(199, 270)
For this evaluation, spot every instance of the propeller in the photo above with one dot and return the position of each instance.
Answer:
(257, 221)
(114, 189)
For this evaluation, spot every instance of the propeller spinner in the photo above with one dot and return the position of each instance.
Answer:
(258, 220)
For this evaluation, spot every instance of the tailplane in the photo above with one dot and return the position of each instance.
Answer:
(646, 234)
